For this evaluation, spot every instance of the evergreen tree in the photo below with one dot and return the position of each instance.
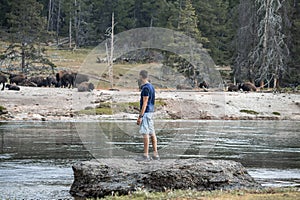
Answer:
(293, 71)
(188, 21)
(27, 30)
(216, 19)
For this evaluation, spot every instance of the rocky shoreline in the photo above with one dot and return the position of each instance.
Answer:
(63, 104)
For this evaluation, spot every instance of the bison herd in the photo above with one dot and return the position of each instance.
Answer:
(63, 79)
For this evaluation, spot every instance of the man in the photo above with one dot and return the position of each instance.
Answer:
(145, 119)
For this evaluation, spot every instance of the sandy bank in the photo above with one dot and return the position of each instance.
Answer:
(56, 104)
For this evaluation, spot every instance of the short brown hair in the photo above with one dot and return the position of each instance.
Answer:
(144, 74)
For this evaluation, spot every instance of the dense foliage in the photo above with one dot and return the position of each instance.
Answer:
(258, 38)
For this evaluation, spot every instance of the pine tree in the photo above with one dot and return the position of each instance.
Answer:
(216, 20)
(27, 30)
(293, 71)
(188, 20)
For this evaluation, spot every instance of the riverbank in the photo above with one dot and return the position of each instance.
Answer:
(62, 104)
(266, 194)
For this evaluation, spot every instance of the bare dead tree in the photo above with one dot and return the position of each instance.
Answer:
(271, 52)
(110, 52)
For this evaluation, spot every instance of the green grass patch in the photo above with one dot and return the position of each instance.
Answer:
(2, 108)
(252, 112)
(108, 108)
(265, 194)
(102, 109)
(275, 113)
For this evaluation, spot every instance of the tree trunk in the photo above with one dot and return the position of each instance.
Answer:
(110, 69)
(70, 32)
(49, 15)
(58, 22)
(23, 57)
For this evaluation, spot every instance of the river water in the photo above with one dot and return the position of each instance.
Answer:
(36, 158)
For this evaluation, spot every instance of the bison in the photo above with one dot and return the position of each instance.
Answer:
(233, 88)
(12, 87)
(203, 85)
(80, 78)
(85, 87)
(65, 79)
(3, 80)
(39, 81)
(247, 87)
(17, 78)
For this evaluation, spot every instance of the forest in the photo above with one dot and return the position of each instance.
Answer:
(258, 39)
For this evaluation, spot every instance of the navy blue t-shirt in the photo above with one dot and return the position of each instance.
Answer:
(148, 90)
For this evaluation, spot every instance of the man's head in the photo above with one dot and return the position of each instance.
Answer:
(143, 74)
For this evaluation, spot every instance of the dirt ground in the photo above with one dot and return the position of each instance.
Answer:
(62, 104)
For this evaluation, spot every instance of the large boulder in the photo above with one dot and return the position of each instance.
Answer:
(99, 178)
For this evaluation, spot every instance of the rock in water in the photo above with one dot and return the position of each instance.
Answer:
(99, 178)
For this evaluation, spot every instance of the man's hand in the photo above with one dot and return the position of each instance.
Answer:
(139, 121)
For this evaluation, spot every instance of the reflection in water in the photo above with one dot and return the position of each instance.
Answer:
(36, 158)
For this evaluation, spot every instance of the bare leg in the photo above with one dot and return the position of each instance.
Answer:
(154, 144)
(146, 145)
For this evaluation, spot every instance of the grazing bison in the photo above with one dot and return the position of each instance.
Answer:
(17, 78)
(12, 87)
(233, 88)
(80, 78)
(39, 81)
(60, 74)
(85, 87)
(3, 80)
(65, 79)
(247, 87)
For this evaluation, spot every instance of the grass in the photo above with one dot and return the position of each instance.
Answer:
(252, 112)
(108, 108)
(2, 108)
(276, 113)
(265, 194)
(67, 58)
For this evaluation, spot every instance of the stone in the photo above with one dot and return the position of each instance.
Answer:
(102, 177)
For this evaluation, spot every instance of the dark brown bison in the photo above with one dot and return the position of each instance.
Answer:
(85, 87)
(12, 87)
(51, 80)
(3, 80)
(68, 80)
(39, 81)
(247, 87)
(17, 78)
(233, 88)
(65, 79)
(203, 85)
(60, 74)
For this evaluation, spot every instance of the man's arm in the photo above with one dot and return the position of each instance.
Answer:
(142, 112)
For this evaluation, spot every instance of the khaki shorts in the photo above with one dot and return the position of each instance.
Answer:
(147, 125)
